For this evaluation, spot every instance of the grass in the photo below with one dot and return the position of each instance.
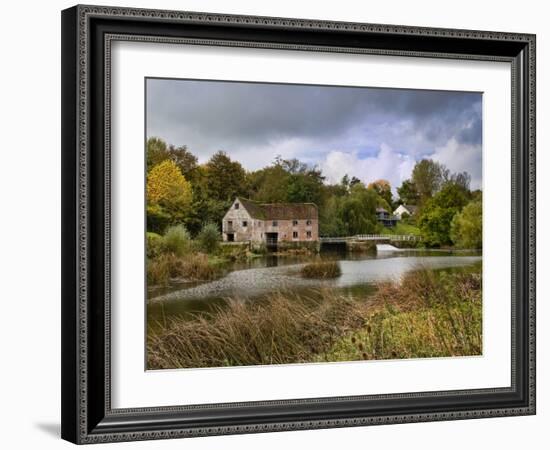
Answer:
(283, 329)
(321, 269)
(402, 228)
(192, 267)
(430, 314)
(427, 314)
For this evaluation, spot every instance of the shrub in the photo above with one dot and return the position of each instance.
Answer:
(197, 267)
(429, 314)
(209, 238)
(321, 269)
(158, 269)
(176, 240)
(193, 267)
(154, 244)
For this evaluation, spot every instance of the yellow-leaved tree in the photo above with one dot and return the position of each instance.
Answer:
(169, 195)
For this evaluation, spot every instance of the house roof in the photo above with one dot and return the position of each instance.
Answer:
(279, 211)
(380, 210)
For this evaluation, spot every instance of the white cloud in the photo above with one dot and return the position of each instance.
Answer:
(387, 164)
(460, 157)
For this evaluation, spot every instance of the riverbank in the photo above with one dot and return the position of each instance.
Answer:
(428, 314)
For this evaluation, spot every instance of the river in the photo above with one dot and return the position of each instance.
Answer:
(258, 277)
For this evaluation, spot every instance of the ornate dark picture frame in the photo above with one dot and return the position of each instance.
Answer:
(87, 33)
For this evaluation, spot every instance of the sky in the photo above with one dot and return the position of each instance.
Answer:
(369, 133)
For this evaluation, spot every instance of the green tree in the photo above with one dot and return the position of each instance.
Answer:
(269, 185)
(408, 195)
(357, 211)
(209, 238)
(438, 212)
(428, 177)
(157, 151)
(225, 179)
(330, 221)
(461, 179)
(306, 186)
(177, 240)
(466, 226)
(185, 160)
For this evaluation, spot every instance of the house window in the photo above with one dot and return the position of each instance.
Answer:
(295, 223)
(229, 223)
(236, 206)
(245, 223)
(259, 223)
(274, 223)
(308, 234)
(308, 222)
(295, 235)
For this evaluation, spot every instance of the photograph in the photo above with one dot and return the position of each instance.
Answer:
(301, 223)
(272, 222)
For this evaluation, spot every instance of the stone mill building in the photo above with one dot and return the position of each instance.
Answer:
(272, 224)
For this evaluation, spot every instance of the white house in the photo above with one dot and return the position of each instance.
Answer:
(405, 209)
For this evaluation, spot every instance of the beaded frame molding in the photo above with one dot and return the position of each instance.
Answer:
(87, 35)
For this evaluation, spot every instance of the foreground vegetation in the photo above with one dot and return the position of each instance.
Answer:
(174, 256)
(427, 314)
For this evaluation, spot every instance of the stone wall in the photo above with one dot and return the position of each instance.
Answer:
(287, 228)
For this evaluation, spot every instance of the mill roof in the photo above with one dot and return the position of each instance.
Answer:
(279, 211)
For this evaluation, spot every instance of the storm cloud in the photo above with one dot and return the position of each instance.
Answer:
(369, 133)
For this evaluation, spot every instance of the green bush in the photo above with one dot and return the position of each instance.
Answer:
(154, 244)
(177, 240)
(466, 226)
(209, 238)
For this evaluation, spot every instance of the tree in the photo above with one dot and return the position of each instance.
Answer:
(428, 177)
(225, 179)
(209, 238)
(357, 211)
(461, 179)
(438, 212)
(169, 195)
(408, 195)
(383, 189)
(157, 151)
(269, 185)
(466, 226)
(185, 160)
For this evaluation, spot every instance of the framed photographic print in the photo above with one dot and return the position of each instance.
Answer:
(279, 224)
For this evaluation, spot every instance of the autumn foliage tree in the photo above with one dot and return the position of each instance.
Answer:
(383, 189)
(169, 195)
